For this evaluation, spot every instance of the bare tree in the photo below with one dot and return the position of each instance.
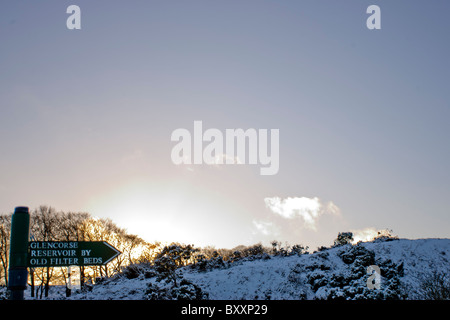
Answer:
(148, 252)
(69, 230)
(44, 227)
(5, 231)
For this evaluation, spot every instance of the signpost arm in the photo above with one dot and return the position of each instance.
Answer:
(18, 252)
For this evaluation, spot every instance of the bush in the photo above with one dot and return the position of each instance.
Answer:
(203, 264)
(170, 259)
(186, 290)
(435, 286)
(295, 275)
(317, 279)
(296, 249)
(134, 271)
(385, 235)
(358, 254)
(255, 251)
(235, 256)
(250, 253)
(343, 238)
(321, 248)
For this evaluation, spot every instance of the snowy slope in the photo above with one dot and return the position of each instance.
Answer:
(332, 273)
(276, 278)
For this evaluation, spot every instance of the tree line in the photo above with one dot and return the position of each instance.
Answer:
(48, 224)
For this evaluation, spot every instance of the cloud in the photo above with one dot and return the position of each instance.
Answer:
(266, 228)
(308, 209)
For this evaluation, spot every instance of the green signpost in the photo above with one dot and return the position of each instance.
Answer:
(17, 272)
(23, 254)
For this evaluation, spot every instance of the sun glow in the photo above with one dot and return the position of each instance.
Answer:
(157, 212)
(153, 212)
(369, 234)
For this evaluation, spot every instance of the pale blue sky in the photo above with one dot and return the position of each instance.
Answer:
(86, 115)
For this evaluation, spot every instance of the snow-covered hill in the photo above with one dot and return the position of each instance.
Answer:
(339, 272)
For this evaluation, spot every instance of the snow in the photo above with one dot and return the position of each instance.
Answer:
(319, 275)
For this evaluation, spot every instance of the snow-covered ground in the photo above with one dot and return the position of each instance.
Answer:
(332, 273)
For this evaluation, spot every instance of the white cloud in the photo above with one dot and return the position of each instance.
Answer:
(333, 209)
(266, 228)
(308, 209)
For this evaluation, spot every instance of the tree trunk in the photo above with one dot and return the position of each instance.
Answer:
(47, 282)
(82, 278)
(68, 292)
(32, 282)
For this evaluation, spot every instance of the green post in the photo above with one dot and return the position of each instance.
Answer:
(18, 252)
